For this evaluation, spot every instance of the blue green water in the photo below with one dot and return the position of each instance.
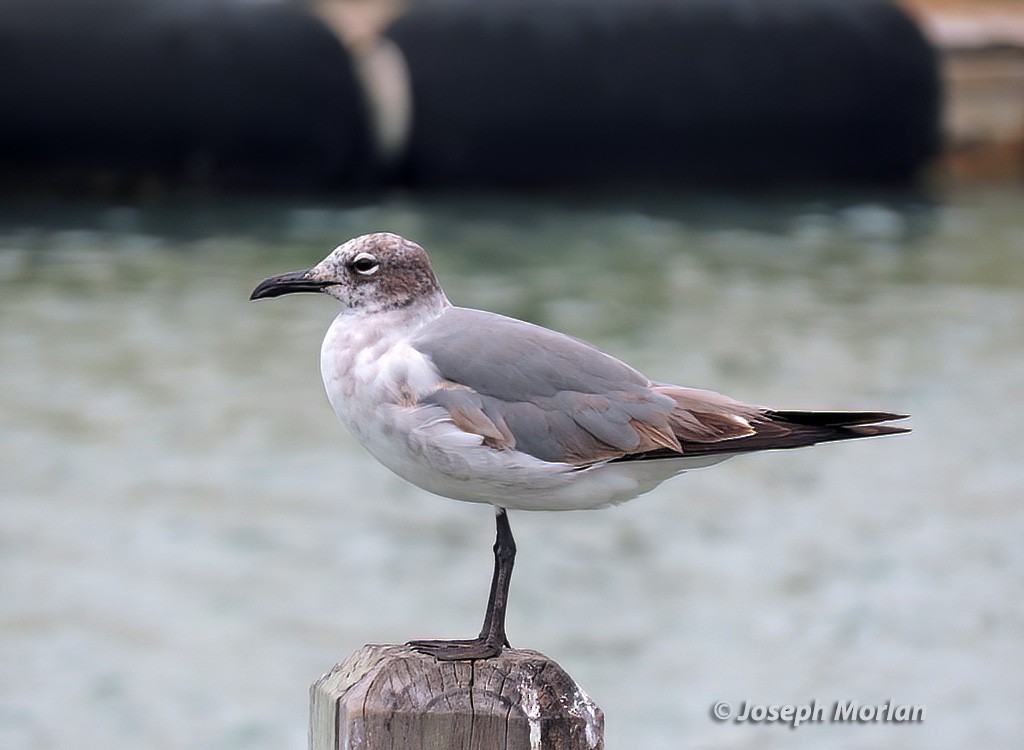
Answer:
(188, 538)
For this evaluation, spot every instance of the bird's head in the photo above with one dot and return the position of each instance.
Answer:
(379, 271)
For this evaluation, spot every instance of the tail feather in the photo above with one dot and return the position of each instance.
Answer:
(777, 429)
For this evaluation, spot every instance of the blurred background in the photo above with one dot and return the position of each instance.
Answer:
(804, 203)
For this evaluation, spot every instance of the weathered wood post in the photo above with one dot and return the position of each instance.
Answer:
(394, 697)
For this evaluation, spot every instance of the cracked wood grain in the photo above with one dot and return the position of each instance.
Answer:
(392, 697)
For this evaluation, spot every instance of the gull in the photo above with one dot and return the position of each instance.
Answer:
(483, 408)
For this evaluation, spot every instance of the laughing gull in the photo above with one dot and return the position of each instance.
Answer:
(487, 409)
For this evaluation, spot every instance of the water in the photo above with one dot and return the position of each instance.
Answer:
(188, 539)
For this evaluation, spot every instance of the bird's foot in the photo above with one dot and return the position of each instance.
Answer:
(461, 650)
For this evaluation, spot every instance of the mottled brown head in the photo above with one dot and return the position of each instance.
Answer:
(380, 271)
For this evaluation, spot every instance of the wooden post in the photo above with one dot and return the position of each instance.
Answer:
(393, 697)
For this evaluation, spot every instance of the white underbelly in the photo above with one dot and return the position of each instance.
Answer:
(424, 448)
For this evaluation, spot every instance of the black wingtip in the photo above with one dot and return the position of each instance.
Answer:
(809, 427)
(836, 418)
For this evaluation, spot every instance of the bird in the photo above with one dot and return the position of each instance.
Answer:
(484, 408)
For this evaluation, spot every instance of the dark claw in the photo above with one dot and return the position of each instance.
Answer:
(458, 650)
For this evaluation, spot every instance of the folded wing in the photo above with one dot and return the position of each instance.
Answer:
(526, 388)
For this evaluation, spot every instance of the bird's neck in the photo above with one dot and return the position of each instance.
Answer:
(367, 334)
(370, 323)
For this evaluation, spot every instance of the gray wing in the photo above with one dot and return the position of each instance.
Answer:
(559, 399)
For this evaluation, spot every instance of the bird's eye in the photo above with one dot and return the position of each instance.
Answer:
(365, 264)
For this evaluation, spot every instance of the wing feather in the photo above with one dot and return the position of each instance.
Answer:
(526, 388)
(544, 393)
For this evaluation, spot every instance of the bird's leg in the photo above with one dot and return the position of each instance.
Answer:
(492, 635)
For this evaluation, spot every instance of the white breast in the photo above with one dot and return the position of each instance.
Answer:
(367, 363)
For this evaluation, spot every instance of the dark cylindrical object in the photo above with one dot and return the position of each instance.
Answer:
(708, 91)
(221, 92)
